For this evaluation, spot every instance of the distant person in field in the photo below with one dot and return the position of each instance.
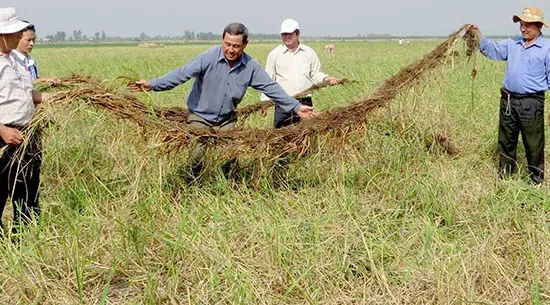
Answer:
(296, 67)
(222, 75)
(20, 153)
(522, 95)
(23, 51)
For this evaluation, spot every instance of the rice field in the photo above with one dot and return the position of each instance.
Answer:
(378, 213)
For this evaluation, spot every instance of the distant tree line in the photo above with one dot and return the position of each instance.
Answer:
(78, 36)
(188, 35)
(61, 36)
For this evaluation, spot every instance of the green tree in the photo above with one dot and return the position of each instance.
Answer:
(77, 34)
(60, 36)
(189, 35)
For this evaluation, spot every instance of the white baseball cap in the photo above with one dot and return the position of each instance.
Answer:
(289, 26)
(10, 21)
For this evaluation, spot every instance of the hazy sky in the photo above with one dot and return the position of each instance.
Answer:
(317, 18)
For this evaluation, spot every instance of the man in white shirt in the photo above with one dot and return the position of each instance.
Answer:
(296, 67)
(20, 156)
(23, 50)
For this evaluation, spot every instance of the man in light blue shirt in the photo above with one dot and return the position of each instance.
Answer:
(222, 75)
(522, 96)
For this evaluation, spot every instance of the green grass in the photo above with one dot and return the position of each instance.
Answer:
(381, 216)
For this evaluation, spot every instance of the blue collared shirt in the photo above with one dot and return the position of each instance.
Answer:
(218, 89)
(527, 69)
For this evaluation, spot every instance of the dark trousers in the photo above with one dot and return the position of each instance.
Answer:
(521, 113)
(283, 118)
(20, 179)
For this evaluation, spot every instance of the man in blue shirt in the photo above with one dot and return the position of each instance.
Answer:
(522, 96)
(222, 75)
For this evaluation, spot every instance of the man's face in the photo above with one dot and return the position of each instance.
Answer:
(10, 41)
(530, 30)
(290, 40)
(27, 42)
(233, 46)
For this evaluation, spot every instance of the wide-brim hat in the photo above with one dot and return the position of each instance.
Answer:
(531, 14)
(10, 21)
(289, 26)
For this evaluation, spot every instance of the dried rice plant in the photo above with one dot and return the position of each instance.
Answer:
(171, 121)
(127, 106)
(245, 112)
(297, 137)
(124, 106)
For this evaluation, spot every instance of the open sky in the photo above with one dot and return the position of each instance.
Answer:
(129, 18)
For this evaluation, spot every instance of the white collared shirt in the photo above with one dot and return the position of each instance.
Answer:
(16, 104)
(294, 71)
(28, 62)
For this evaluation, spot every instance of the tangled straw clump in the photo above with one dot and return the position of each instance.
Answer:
(127, 106)
(245, 112)
(171, 122)
(472, 39)
(297, 137)
(122, 105)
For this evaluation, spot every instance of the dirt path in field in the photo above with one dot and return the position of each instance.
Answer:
(171, 121)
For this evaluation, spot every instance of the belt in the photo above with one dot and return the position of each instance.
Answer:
(221, 122)
(504, 92)
(15, 126)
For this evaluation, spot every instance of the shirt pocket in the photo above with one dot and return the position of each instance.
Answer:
(535, 67)
(239, 85)
(241, 79)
